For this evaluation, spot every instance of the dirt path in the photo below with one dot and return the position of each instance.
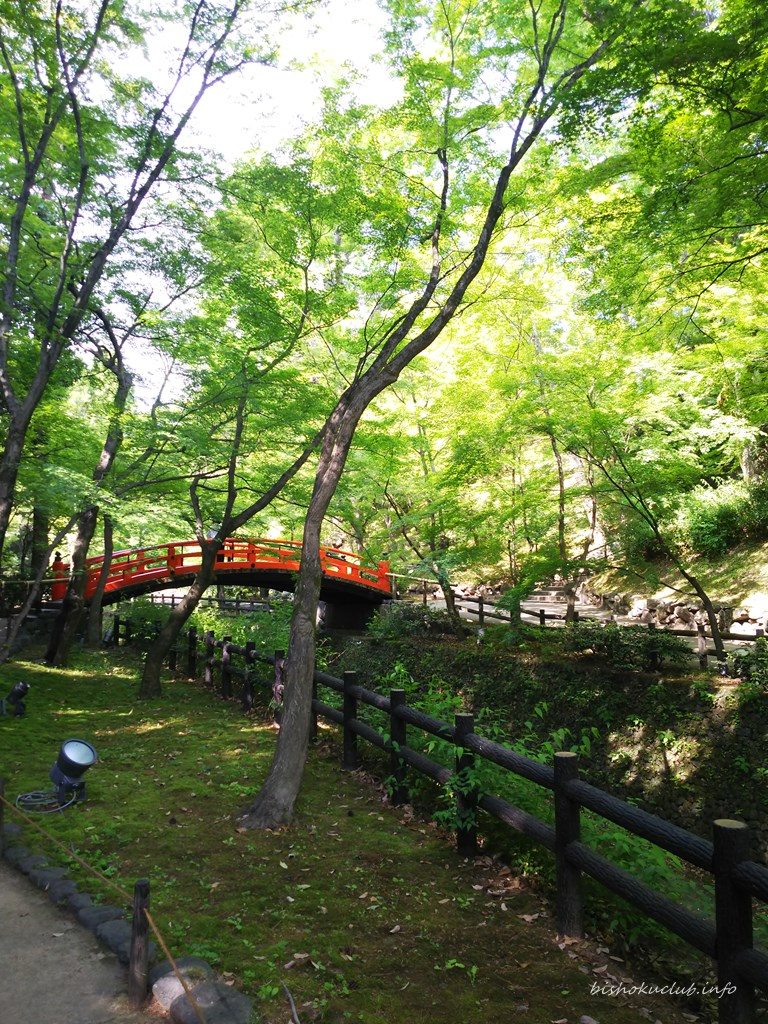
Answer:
(53, 971)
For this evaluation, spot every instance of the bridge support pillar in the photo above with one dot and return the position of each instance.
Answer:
(341, 615)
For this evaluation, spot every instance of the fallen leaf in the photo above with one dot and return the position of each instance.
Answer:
(395, 930)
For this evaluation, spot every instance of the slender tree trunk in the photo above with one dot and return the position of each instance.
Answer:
(69, 618)
(40, 527)
(95, 608)
(9, 471)
(275, 802)
(153, 665)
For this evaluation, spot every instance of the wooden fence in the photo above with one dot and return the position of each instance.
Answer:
(737, 878)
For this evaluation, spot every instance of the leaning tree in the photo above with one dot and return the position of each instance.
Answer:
(529, 73)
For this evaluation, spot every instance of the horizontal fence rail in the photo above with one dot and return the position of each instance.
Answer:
(737, 878)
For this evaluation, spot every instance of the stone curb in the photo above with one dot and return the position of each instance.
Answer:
(220, 1003)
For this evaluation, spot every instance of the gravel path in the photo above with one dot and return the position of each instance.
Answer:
(52, 971)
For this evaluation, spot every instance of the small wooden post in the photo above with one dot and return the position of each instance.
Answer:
(701, 644)
(116, 630)
(312, 712)
(249, 698)
(226, 665)
(127, 631)
(733, 921)
(138, 964)
(480, 611)
(575, 615)
(350, 758)
(237, 603)
(173, 600)
(542, 617)
(653, 650)
(192, 652)
(277, 686)
(209, 654)
(397, 737)
(424, 592)
(567, 830)
(466, 798)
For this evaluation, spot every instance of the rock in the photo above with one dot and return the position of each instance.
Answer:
(77, 900)
(60, 890)
(220, 1005)
(27, 864)
(92, 917)
(684, 614)
(741, 615)
(44, 876)
(166, 986)
(15, 854)
(11, 831)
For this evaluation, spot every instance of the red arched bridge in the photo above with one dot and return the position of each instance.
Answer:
(350, 588)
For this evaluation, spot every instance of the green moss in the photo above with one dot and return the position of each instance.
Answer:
(390, 918)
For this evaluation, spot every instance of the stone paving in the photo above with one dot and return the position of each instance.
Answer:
(53, 971)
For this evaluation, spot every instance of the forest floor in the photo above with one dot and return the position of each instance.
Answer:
(739, 578)
(364, 911)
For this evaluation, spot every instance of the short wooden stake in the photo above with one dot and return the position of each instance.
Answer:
(138, 964)
(467, 798)
(350, 758)
(480, 611)
(542, 617)
(567, 830)
(701, 644)
(397, 737)
(249, 697)
(733, 921)
(209, 654)
(192, 652)
(226, 665)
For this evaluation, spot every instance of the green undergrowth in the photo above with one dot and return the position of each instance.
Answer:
(365, 912)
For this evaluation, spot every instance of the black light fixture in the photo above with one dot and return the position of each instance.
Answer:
(14, 703)
(74, 760)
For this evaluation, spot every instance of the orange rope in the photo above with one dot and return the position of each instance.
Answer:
(123, 895)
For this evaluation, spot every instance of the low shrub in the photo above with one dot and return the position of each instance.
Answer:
(625, 647)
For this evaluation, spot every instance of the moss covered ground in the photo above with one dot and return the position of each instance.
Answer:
(366, 913)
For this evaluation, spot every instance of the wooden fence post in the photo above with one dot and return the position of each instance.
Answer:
(277, 686)
(542, 617)
(733, 921)
(397, 737)
(226, 664)
(116, 630)
(701, 644)
(138, 963)
(127, 631)
(424, 593)
(567, 830)
(480, 611)
(209, 654)
(350, 758)
(653, 650)
(467, 796)
(192, 652)
(312, 712)
(249, 698)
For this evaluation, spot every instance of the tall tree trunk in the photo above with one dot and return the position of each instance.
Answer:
(95, 608)
(9, 472)
(68, 620)
(275, 802)
(40, 527)
(151, 685)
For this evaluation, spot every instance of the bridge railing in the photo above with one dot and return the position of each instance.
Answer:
(728, 939)
(162, 562)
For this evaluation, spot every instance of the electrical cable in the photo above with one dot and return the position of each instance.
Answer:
(43, 802)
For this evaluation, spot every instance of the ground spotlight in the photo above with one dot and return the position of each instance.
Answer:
(14, 703)
(74, 760)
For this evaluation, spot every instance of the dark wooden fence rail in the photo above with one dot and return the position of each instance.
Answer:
(234, 604)
(737, 878)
